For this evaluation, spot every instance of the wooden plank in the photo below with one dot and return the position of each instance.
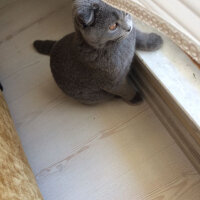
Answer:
(109, 151)
(135, 162)
(4, 3)
(18, 51)
(52, 126)
(17, 16)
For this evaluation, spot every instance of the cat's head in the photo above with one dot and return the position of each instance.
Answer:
(100, 23)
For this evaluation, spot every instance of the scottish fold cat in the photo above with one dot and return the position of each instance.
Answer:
(91, 64)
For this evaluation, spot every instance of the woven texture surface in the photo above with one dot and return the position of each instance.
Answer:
(17, 181)
(148, 17)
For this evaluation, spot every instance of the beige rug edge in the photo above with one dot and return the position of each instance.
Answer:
(17, 181)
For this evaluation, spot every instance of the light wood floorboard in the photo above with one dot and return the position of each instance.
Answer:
(112, 151)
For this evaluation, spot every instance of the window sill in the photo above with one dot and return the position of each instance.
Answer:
(177, 74)
(172, 81)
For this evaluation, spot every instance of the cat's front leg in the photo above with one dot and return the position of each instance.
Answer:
(148, 41)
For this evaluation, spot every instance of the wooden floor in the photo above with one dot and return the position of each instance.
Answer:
(112, 151)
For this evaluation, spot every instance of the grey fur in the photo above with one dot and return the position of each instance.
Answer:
(91, 64)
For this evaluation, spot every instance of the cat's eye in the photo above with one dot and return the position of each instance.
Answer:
(112, 27)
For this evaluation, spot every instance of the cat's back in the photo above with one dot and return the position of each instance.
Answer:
(70, 62)
(61, 51)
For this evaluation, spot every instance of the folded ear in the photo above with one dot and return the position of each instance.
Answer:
(85, 16)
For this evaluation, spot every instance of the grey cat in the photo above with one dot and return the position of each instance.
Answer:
(92, 64)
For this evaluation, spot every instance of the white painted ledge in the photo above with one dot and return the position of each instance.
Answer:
(177, 74)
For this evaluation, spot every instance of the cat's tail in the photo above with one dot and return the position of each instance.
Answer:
(44, 46)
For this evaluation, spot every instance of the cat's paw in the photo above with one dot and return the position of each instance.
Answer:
(154, 42)
(137, 99)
